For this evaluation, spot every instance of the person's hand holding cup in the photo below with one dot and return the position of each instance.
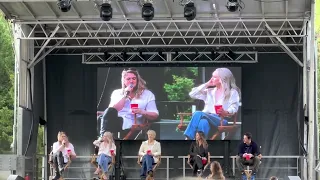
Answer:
(133, 107)
(149, 152)
(112, 152)
(69, 152)
(248, 157)
(218, 108)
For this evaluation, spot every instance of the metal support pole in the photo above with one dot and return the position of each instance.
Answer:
(45, 135)
(311, 97)
(304, 172)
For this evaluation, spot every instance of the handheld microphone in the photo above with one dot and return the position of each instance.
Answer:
(131, 86)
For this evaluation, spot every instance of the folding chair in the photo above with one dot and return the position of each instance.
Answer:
(95, 163)
(205, 167)
(52, 166)
(155, 165)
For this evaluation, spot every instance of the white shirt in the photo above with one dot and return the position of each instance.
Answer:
(104, 148)
(64, 151)
(146, 102)
(155, 150)
(208, 96)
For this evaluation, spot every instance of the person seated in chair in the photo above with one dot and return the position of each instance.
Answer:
(107, 149)
(199, 153)
(220, 90)
(216, 171)
(248, 154)
(133, 91)
(149, 151)
(62, 150)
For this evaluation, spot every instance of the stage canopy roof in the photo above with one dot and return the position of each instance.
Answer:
(258, 26)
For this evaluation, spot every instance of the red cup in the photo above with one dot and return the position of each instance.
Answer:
(111, 151)
(217, 108)
(134, 106)
(149, 152)
(69, 151)
(204, 161)
(247, 157)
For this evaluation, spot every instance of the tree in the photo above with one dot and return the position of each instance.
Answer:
(6, 85)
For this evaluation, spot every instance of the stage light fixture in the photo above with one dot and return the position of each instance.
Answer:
(106, 11)
(232, 5)
(64, 5)
(190, 11)
(147, 11)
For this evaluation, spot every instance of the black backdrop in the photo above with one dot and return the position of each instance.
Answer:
(271, 107)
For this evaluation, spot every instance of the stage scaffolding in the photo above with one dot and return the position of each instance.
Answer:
(41, 30)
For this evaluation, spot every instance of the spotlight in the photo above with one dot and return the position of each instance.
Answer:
(64, 5)
(232, 5)
(106, 11)
(147, 11)
(190, 11)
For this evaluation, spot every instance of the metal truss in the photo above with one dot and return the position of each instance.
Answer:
(169, 57)
(164, 33)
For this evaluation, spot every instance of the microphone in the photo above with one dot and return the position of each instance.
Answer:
(128, 92)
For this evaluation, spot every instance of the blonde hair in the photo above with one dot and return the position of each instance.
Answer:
(141, 83)
(60, 133)
(152, 132)
(228, 82)
(216, 171)
(109, 136)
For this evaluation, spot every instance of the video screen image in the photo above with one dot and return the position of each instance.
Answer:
(176, 102)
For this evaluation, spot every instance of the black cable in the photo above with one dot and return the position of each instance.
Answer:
(32, 114)
(104, 88)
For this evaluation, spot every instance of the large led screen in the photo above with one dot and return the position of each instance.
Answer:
(176, 102)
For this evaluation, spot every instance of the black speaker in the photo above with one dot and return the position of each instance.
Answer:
(15, 177)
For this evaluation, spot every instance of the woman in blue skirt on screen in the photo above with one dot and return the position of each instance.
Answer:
(221, 97)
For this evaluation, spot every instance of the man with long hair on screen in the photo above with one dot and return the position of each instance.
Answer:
(133, 91)
(220, 90)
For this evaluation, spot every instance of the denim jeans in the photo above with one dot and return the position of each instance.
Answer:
(201, 121)
(147, 164)
(103, 162)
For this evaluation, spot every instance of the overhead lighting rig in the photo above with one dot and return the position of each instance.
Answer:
(106, 10)
(64, 5)
(147, 11)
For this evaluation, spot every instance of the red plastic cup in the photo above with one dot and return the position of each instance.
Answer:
(149, 152)
(134, 106)
(111, 151)
(217, 108)
(247, 157)
(69, 151)
(204, 161)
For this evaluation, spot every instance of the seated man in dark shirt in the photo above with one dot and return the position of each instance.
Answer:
(248, 154)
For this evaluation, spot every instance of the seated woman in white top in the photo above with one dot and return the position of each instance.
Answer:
(107, 149)
(133, 91)
(149, 151)
(61, 151)
(225, 93)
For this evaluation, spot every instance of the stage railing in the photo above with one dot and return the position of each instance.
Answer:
(163, 158)
(167, 168)
(184, 161)
(297, 158)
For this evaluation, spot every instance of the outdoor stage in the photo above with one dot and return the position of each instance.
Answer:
(274, 44)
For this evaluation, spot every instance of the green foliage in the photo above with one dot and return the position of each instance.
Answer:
(179, 89)
(6, 85)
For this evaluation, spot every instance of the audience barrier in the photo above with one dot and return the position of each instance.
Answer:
(165, 165)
